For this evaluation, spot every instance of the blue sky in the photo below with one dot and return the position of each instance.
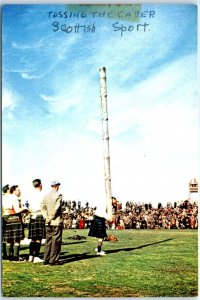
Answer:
(51, 100)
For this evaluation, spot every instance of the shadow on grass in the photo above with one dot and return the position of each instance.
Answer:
(135, 248)
(25, 247)
(64, 243)
(75, 257)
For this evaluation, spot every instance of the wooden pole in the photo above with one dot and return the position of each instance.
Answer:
(105, 136)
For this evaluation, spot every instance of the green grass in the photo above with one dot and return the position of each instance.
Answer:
(143, 263)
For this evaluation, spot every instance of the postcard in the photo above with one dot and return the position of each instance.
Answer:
(102, 100)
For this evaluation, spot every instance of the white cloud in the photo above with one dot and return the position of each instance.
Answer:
(157, 164)
(31, 46)
(27, 76)
(43, 51)
(60, 103)
(167, 92)
(74, 93)
(75, 160)
(152, 172)
(8, 98)
(94, 126)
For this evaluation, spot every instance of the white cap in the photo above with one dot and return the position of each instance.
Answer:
(55, 182)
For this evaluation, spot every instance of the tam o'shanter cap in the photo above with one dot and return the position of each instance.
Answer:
(55, 182)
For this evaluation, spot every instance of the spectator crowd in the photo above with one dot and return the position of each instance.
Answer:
(183, 215)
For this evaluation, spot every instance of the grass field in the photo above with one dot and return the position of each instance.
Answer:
(143, 263)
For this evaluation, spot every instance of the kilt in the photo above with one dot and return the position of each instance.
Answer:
(98, 228)
(13, 228)
(36, 228)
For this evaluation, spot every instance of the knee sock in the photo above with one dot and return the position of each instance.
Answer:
(37, 249)
(4, 250)
(99, 244)
(9, 250)
(16, 250)
(32, 248)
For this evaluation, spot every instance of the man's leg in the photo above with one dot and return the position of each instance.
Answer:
(16, 256)
(16, 251)
(37, 252)
(31, 250)
(56, 244)
(9, 250)
(4, 250)
(99, 245)
(37, 247)
(48, 244)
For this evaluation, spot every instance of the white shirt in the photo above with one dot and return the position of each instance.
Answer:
(101, 212)
(35, 202)
(10, 201)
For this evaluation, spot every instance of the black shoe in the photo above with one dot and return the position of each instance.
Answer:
(56, 263)
(18, 259)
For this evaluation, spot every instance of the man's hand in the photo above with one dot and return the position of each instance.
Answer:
(47, 222)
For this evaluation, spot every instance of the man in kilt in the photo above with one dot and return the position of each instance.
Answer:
(13, 229)
(5, 195)
(98, 228)
(36, 226)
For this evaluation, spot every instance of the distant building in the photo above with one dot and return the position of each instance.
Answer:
(193, 190)
(193, 186)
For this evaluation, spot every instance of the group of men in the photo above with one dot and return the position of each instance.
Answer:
(45, 223)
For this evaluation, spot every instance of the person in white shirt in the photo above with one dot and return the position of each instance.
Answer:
(98, 227)
(36, 226)
(13, 229)
(5, 196)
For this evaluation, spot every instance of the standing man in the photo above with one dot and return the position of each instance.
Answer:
(36, 226)
(13, 229)
(5, 196)
(51, 210)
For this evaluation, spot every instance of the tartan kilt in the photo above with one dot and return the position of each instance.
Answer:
(98, 227)
(36, 228)
(13, 228)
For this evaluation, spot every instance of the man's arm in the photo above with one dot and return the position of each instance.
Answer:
(44, 208)
(58, 203)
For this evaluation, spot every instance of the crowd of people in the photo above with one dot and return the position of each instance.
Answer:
(135, 216)
(46, 215)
